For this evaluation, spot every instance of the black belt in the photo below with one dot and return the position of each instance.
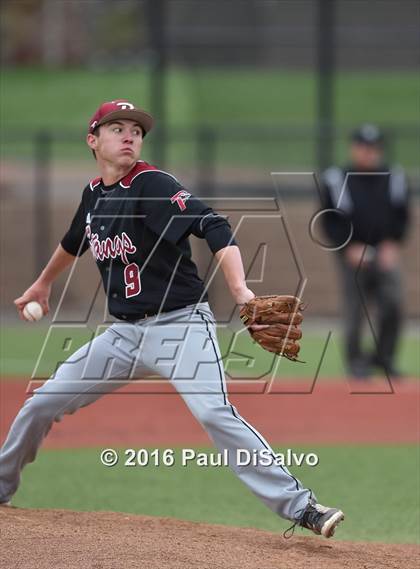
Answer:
(136, 318)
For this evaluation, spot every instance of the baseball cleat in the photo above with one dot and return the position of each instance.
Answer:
(6, 504)
(320, 519)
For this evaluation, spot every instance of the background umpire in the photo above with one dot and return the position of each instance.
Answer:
(368, 229)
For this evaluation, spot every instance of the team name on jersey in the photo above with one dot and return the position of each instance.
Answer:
(119, 246)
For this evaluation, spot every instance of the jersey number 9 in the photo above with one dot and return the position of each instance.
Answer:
(132, 280)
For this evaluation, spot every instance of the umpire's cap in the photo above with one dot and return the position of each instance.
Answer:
(368, 134)
(120, 109)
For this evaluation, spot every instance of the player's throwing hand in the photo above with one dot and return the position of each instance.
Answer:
(39, 292)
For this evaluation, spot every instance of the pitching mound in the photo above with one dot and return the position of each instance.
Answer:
(102, 540)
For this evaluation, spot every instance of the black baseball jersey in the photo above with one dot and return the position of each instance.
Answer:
(138, 231)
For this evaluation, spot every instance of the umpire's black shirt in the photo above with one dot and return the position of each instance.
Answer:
(373, 204)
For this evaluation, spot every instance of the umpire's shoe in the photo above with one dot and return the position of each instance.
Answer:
(320, 519)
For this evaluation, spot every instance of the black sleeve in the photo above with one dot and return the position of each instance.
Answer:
(215, 229)
(74, 241)
(400, 201)
(173, 212)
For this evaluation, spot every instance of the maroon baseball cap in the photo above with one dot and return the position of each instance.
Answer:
(120, 109)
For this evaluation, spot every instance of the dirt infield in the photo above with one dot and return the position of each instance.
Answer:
(103, 540)
(331, 414)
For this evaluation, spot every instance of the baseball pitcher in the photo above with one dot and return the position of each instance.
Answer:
(137, 220)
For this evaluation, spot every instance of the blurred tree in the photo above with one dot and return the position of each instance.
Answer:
(53, 26)
(120, 32)
(20, 23)
(278, 34)
(118, 27)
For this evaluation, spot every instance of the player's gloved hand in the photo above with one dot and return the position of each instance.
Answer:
(274, 322)
(40, 292)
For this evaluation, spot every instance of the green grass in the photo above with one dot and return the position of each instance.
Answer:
(21, 345)
(67, 98)
(64, 100)
(376, 486)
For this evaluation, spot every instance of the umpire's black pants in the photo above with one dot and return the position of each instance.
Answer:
(373, 294)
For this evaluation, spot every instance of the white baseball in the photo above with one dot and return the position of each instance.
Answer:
(33, 311)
